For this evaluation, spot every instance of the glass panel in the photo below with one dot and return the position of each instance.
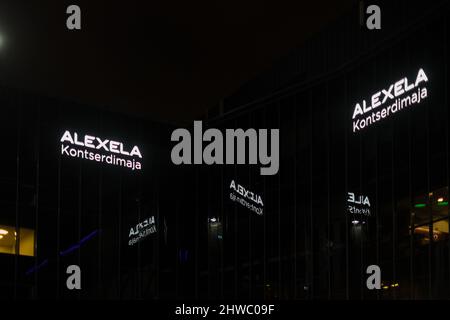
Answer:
(10, 241)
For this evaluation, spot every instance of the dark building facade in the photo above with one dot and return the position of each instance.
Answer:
(363, 174)
(363, 180)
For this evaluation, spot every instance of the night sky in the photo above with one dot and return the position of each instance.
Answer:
(163, 60)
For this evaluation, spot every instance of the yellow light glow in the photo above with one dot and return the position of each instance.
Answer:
(441, 199)
(22, 244)
(1, 236)
(386, 287)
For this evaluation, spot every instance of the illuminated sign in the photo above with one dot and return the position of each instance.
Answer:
(142, 230)
(235, 139)
(358, 204)
(241, 195)
(397, 96)
(93, 148)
